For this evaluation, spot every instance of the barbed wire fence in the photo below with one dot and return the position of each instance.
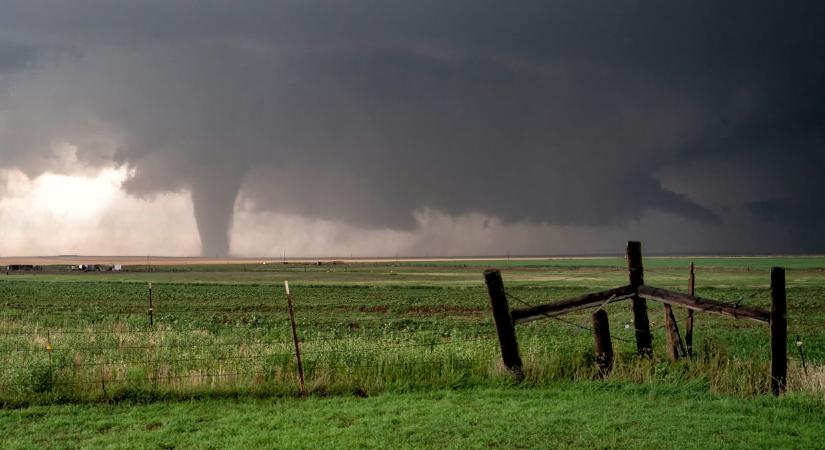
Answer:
(103, 347)
(97, 350)
(639, 291)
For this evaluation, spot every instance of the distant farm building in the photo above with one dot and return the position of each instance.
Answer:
(86, 268)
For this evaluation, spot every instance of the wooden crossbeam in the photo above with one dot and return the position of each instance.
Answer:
(572, 304)
(703, 304)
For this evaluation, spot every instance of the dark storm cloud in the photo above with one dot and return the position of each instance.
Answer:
(15, 56)
(552, 112)
(791, 213)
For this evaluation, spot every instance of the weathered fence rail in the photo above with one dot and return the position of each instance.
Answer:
(638, 292)
(703, 304)
(573, 304)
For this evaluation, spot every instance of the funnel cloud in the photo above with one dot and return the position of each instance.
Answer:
(606, 115)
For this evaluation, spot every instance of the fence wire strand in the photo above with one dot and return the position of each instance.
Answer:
(559, 319)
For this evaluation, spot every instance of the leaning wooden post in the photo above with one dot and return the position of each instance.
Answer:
(674, 340)
(675, 347)
(644, 340)
(689, 323)
(150, 311)
(604, 347)
(295, 338)
(504, 322)
(779, 332)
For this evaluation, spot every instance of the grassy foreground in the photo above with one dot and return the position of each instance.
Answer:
(576, 414)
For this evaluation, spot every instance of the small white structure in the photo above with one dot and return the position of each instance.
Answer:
(117, 267)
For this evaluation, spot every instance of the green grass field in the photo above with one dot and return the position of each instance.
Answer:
(414, 337)
(562, 415)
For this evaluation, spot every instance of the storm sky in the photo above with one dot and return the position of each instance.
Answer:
(418, 127)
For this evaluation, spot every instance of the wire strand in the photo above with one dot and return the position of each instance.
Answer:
(528, 304)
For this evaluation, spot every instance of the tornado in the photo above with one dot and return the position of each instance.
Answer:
(213, 200)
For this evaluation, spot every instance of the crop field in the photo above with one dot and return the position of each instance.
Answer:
(381, 329)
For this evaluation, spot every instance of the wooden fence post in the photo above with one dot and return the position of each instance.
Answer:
(689, 323)
(49, 345)
(675, 347)
(674, 340)
(644, 340)
(604, 347)
(150, 311)
(779, 331)
(504, 322)
(295, 338)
